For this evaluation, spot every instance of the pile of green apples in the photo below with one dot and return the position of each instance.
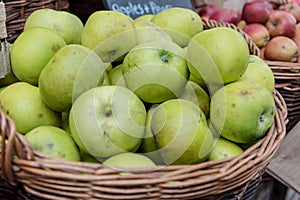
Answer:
(155, 90)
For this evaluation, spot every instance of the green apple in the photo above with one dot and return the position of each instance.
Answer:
(181, 132)
(64, 23)
(23, 103)
(180, 23)
(32, 50)
(259, 71)
(2, 88)
(197, 95)
(108, 120)
(224, 149)
(218, 55)
(242, 111)
(147, 31)
(128, 160)
(156, 71)
(72, 70)
(110, 34)
(116, 76)
(199, 81)
(144, 17)
(65, 122)
(85, 157)
(149, 147)
(106, 80)
(53, 141)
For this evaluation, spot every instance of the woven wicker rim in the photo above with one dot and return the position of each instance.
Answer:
(53, 178)
(21, 164)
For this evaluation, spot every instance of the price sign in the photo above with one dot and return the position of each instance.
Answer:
(136, 8)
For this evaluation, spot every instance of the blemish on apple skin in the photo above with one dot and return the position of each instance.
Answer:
(233, 105)
(50, 145)
(243, 92)
(40, 115)
(112, 52)
(108, 114)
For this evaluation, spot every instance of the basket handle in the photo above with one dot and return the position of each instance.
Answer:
(12, 146)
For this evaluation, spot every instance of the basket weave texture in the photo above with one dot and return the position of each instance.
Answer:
(17, 12)
(46, 177)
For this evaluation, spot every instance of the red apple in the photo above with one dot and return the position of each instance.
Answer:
(296, 1)
(256, 11)
(296, 38)
(281, 23)
(226, 15)
(281, 48)
(207, 10)
(259, 34)
(293, 8)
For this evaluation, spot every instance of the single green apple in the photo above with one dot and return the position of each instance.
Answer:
(106, 80)
(64, 23)
(218, 55)
(197, 95)
(23, 103)
(180, 23)
(156, 71)
(72, 70)
(116, 76)
(147, 31)
(259, 71)
(32, 50)
(110, 34)
(224, 149)
(53, 141)
(242, 111)
(128, 160)
(181, 132)
(108, 120)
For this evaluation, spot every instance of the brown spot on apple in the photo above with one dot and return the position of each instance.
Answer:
(50, 145)
(233, 105)
(244, 92)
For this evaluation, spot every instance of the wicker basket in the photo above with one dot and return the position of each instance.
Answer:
(18, 11)
(287, 82)
(44, 177)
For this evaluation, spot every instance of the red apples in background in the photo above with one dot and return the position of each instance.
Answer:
(281, 48)
(208, 10)
(259, 34)
(226, 15)
(281, 23)
(296, 1)
(296, 38)
(256, 11)
(293, 8)
(212, 11)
